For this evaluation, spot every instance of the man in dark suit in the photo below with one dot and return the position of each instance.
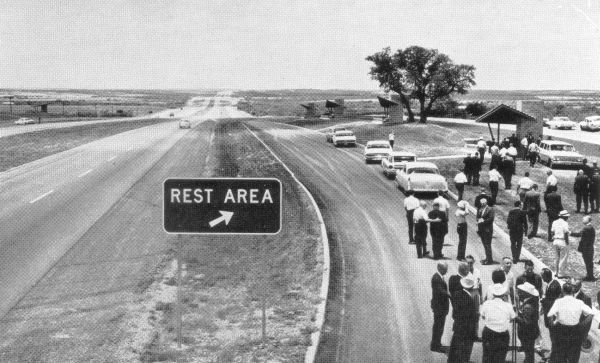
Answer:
(468, 169)
(485, 229)
(454, 280)
(531, 205)
(438, 230)
(586, 246)
(580, 295)
(594, 191)
(440, 304)
(553, 292)
(479, 197)
(553, 207)
(508, 166)
(465, 317)
(517, 227)
(581, 189)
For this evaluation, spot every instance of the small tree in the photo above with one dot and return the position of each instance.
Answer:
(476, 108)
(421, 74)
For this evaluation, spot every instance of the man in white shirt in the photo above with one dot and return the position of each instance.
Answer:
(512, 151)
(391, 138)
(410, 204)
(525, 184)
(560, 234)
(494, 181)
(550, 181)
(459, 182)
(421, 218)
(481, 147)
(524, 147)
(497, 316)
(443, 203)
(503, 151)
(566, 314)
(509, 281)
(534, 151)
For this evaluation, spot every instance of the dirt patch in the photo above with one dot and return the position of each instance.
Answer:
(228, 277)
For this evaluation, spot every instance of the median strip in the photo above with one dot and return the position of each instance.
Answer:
(41, 196)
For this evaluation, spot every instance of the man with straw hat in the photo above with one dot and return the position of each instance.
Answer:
(560, 236)
(464, 315)
(528, 329)
(497, 315)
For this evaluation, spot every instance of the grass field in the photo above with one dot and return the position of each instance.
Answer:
(24, 148)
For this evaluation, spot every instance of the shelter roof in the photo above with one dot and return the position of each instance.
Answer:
(331, 104)
(503, 114)
(307, 106)
(384, 102)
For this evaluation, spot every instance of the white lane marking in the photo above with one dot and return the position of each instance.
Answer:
(113, 158)
(85, 173)
(42, 196)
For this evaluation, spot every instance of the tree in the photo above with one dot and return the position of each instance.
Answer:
(425, 75)
(476, 108)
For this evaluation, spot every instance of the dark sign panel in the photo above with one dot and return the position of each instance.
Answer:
(222, 206)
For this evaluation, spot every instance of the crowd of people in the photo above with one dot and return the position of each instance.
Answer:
(509, 308)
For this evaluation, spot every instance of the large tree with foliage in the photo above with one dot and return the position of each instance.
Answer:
(422, 74)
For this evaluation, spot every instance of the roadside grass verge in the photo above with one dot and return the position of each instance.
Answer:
(228, 277)
(24, 148)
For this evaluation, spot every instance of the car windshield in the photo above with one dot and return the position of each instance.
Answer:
(344, 133)
(562, 147)
(404, 158)
(423, 170)
(378, 146)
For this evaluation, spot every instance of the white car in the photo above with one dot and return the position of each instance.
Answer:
(561, 122)
(395, 161)
(590, 123)
(377, 150)
(344, 137)
(24, 121)
(332, 130)
(421, 177)
(185, 124)
(553, 152)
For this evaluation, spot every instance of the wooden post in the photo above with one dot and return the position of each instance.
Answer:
(179, 308)
(498, 133)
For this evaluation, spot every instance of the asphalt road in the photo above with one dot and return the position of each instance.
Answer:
(386, 316)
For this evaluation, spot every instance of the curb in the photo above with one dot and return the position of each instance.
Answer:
(320, 315)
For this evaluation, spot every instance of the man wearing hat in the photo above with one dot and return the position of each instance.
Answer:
(528, 329)
(485, 229)
(464, 315)
(440, 305)
(497, 316)
(586, 246)
(482, 194)
(531, 277)
(560, 235)
(461, 228)
(565, 314)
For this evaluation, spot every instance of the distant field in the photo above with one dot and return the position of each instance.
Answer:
(24, 148)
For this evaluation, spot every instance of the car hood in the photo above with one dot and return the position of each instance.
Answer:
(345, 137)
(377, 150)
(567, 153)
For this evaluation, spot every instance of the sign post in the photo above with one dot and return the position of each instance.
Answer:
(219, 206)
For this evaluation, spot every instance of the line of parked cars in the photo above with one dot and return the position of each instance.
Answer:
(590, 123)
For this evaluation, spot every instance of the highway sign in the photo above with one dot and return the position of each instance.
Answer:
(222, 206)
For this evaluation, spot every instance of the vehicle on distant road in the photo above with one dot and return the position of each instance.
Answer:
(553, 152)
(590, 123)
(421, 177)
(395, 161)
(185, 124)
(560, 122)
(376, 150)
(330, 131)
(344, 137)
(24, 121)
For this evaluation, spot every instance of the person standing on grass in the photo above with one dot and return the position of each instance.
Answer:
(581, 190)
(509, 277)
(481, 148)
(507, 171)
(443, 202)
(551, 181)
(476, 162)
(410, 204)
(421, 219)
(524, 147)
(528, 329)
(553, 292)
(440, 305)
(534, 152)
(586, 246)
(496, 160)
(478, 198)
(485, 229)
(468, 169)
(560, 235)
(463, 313)
(497, 316)
(524, 185)
(459, 182)
(531, 277)
(594, 193)
(531, 205)
(391, 138)
(517, 227)
(461, 228)
(494, 180)
(554, 205)
(438, 230)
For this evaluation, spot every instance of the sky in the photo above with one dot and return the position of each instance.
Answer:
(277, 44)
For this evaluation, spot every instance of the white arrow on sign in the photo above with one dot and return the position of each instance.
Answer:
(225, 216)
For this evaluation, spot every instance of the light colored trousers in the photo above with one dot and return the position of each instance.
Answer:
(562, 253)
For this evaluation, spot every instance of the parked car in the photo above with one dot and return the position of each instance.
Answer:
(344, 137)
(184, 124)
(376, 150)
(553, 152)
(590, 123)
(330, 131)
(561, 122)
(24, 121)
(420, 177)
(395, 161)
